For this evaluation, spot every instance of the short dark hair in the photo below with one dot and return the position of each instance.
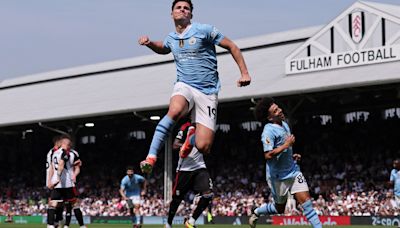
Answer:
(129, 168)
(56, 139)
(188, 1)
(262, 107)
(65, 136)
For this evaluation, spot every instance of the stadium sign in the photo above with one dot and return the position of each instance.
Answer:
(302, 220)
(372, 37)
(344, 59)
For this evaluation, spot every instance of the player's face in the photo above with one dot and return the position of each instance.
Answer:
(181, 11)
(129, 172)
(396, 165)
(57, 144)
(66, 144)
(275, 113)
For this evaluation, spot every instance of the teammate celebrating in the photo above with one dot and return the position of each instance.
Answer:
(62, 180)
(191, 174)
(197, 85)
(283, 174)
(133, 186)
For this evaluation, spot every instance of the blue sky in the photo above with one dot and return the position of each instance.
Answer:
(45, 35)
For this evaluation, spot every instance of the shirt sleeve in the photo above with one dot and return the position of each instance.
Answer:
(141, 179)
(166, 42)
(268, 139)
(122, 186)
(392, 175)
(213, 34)
(76, 156)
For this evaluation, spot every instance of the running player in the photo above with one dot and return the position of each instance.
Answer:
(191, 174)
(197, 84)
(133, 186)
(283, 174)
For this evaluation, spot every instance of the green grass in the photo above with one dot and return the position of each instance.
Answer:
(154, 226)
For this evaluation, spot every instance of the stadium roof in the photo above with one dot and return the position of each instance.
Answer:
(145, 83)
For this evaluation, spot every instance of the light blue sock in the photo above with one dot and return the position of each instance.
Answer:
(310, 214)
(266, 209)
(163, 129)
(193, 140)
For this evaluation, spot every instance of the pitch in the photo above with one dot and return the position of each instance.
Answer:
(158, 226)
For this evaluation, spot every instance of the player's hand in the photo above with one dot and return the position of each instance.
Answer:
(297, 157)
(144, 40)
(50, 186)
(290, 140)
(244, 80)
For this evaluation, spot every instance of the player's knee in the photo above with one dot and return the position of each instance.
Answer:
(203, 146)
(53, 204)
(175, 112)
(75, 204)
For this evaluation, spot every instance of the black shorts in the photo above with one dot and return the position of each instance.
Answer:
(198, 181)
(64, 194)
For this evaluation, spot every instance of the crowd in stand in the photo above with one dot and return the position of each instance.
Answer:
(354, 162)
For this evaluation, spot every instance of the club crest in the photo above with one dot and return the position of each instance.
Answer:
(356, 26)
(192, 40)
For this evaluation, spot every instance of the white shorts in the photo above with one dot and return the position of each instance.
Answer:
(282, 188)
(397, 200)
(135, 200)
(204, 106)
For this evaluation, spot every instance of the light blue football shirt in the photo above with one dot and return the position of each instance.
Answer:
(132, 186)
(281, 166)
(395, 177)
(195, 56)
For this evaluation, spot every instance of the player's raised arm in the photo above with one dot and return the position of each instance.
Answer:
(228, 44)
(156, 46)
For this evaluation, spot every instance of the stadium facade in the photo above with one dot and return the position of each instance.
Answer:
(359, 48)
